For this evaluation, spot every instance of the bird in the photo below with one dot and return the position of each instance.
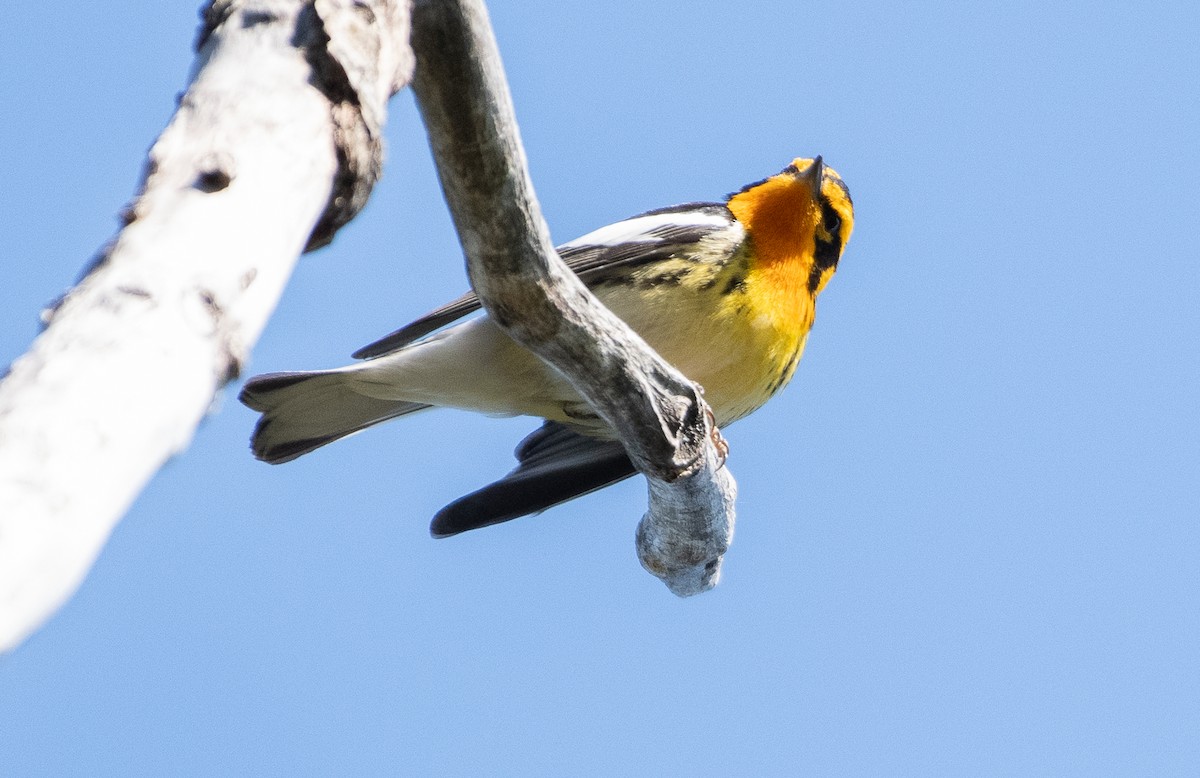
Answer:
(724, 291)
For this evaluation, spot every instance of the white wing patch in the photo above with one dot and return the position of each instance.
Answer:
(639, 229)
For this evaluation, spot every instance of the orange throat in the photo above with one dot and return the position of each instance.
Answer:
(780, 216)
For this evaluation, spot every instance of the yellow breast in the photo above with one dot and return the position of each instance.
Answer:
(736, 329)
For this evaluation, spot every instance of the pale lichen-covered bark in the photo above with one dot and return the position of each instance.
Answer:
(275, 144)
(660, 415)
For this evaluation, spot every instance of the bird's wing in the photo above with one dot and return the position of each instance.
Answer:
(644, 238)
(555, 465)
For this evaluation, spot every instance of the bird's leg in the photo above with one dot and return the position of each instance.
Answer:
(718, 440)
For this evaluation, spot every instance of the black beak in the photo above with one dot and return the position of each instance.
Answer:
(812, 175)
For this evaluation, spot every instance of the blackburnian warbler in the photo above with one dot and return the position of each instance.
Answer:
(726, 292)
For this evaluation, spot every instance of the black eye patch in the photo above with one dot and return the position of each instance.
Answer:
(832, 219)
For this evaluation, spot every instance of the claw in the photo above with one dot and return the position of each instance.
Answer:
(718, 440)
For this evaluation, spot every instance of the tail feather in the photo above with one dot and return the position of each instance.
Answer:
(304, 411)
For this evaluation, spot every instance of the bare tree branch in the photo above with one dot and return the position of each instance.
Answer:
(659, 415)
(275, 145)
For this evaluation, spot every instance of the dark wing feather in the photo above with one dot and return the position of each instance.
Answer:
(702, 209)
(556, 465)
(431, 321)
(591, 262)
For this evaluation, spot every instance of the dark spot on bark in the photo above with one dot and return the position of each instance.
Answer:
(213, 180)
(254, 18)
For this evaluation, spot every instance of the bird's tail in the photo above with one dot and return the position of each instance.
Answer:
(305, 410)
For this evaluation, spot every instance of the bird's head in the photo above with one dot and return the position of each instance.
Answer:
(802, 213)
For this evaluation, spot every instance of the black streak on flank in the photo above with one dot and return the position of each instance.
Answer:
(671, 278)
(644, 281)
(738, 264)
(785, 374)
(737, 282)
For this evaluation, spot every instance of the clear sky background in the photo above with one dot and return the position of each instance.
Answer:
(967, 538)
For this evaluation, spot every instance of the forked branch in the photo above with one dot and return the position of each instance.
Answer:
(659, 414)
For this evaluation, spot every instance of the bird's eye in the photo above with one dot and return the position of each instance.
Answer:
(832, 221)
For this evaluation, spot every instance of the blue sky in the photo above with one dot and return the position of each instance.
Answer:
(967, 538)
